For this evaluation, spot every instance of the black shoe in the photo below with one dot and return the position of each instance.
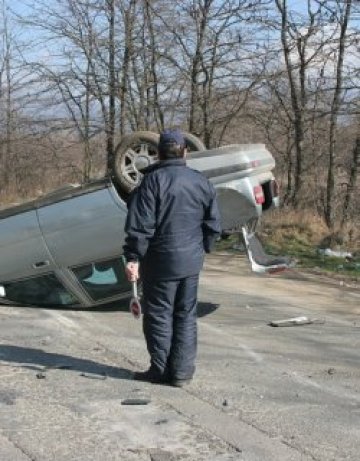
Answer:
(150, 376)
(180, 382)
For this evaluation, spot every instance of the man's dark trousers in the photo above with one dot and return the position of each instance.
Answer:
(170, 327)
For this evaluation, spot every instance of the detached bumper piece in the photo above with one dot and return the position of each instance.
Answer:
(260, 261)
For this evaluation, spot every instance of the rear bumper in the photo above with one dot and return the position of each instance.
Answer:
(238, 203)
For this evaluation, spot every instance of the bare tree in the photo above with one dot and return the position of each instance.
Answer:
(230, 71)
(343, 21)
(303, 86)
(155, 83)
(128, 12)
(212, 60)
(13, 98)
(299, 53)
(6, 94)
(110, 125)
(352, 184)
(83, 73)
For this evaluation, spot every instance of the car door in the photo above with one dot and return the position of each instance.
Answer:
(22, 247)
(84, 228)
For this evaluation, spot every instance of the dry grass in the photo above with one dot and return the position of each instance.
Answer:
(287, 223)
(309, 228)
(300, 234)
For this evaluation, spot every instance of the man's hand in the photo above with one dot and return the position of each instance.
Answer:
(132, 271)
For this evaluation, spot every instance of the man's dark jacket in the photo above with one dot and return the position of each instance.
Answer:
(172, 219)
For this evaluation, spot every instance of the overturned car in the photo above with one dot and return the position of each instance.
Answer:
(64, 249)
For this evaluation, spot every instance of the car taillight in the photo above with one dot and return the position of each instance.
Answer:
(259, 195)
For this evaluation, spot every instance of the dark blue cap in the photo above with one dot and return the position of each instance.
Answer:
(172, 137)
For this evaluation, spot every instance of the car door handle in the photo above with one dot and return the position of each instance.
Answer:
(41, 264)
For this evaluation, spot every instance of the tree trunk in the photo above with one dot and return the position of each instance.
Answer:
(87, 148)
(354, 174)
(129, 16)
(296, 107)
(6, 160)
(202, 11)
(110, 131)
(330, 190)
(157, 110)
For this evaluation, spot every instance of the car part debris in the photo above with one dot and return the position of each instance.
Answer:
(136, 401)
(260, 261)
(295, 321)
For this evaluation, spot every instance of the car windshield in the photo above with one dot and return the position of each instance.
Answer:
(45, 290)
(103, 279)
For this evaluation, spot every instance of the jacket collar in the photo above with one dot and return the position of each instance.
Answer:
(172, 162)
(165, 163)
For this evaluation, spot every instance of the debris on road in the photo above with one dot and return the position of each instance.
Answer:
(40, 375)
(335, 254)
(136, 401)
(92, 376)
(162, 455)
(161, 421)
(295, 321)
(331, 371)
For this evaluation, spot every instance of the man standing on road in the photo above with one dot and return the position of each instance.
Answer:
(172, 220)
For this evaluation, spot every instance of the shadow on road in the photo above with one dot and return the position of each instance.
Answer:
(121, 305)
(203, 309)
(39, 360)
(206, 308)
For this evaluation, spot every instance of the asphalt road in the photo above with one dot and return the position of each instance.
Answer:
(260, 393)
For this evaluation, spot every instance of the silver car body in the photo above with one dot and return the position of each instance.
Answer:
(65, 248)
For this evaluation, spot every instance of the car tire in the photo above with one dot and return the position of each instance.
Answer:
(193, 143)
(134, 153)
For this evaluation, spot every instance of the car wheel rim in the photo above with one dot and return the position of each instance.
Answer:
(135, 159)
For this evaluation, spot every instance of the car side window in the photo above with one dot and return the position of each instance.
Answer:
(103, 279)
(44, 290)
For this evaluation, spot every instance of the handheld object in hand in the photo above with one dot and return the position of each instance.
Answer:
(135, 306)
